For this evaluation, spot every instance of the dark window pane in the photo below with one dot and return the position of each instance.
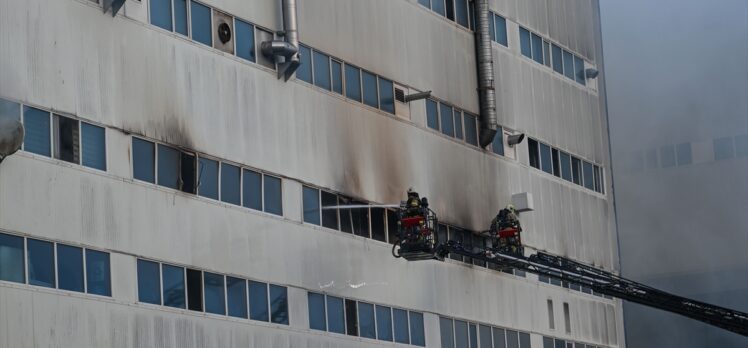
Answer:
(245, 44)
(432, 114)
(449, 5)
(554, 161)
(187, 173)
(273, 200)
(438, 7)
(426, 3)
(215, 301)
(321, 70)
(149, 285)
(10, 109)
(335, 315)
(417, 335)
(467, 243)
(401, 326)
(252, 190)
(351, 322)
(384, 323)
(98, 274)
(41, 263)
(386, 96)
(446, 333)
(485, 336)
(684, 154)
(537, 48)
(547, 342)
(588, 180)
(471, 132)
(208, 178)
(545, 158)
(533, 151)
(329, 216)
(143, 159)
(461, 334)
(499, 338)
(560, 344)
(311, 205)
(461, 12)
(201, 26)
(456, 235)
(667, 155)
(579, 70)
(565, 166)
(500, 25)
(236, 295)
(447, 120)
(194, 290)
(69, 268)
(458, 124)
(337, 76)
(168, 166)
(180, 16)
(741, 145)
(36, 126)
(161, 13)
(360, 219)
(723, 148)
(524, 42)
(370, 89)
(576, 170)
(316, 311)
(366, 320)
(230, 184)
(512, 339)
(258, 301)
(546, 53)
(66, 135)
(346, 216)
(558, 60)
(392, 226)
(353, 82)
(569, 65)
(524, 340)
(377, 224)
(497, 145)
(94, 146)
(173, 282)
(473, 330)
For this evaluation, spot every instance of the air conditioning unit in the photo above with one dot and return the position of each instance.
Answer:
(223, 32)
(402, 108)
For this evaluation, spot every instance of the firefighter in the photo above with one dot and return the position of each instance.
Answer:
(506, 228)
(413, 205)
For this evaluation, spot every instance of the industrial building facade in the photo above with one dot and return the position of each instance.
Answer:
(172, 191)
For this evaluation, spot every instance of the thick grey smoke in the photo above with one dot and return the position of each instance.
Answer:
(677, 83)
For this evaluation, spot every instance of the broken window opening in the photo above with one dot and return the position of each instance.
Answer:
(67, 139)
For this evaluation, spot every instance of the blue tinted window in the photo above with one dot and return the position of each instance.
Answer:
(215, 301)
(546, 53)
(10, 109)
(723, 148)
(149, 286)
(461, 334)
(208, 178)
(36, 139)
(201, 26)
(273, 200)
(501, 36)
(401, 325)
(168, 167)
(471, 130)
(524, 42)
(565, 166)
(569, 65)
(335, 315)
(426, 3)
(252, 190)
(499, 338)
(447, 122)
(370, 89)
(236, 292)
(446, 332)
(579, 70)
(245, 41)
(258, 301)
(304, 71)
(537, 48)
(311, 205)
(143, 159)
(41, 263)
(558, 60)
(485, 336)
(587, 171)
(512, 339)
(69, 268)
(230, 184)
(366, 320)
(432, 114)
(337, 76)
(576, 167)
(667, 156)
(94, 146)
(386, 96)
(161, 13)
(497, 145)
(545, 159)
(173, 280)
(353, 82)
(438, 7)
(98, 275)
(461, 12)
(684, 154)
(384, 323)
(322, 70)
(180, 16)
(417, 335)
(458, 124)
(741, 145)
(547, 342)
(560, 344)
(278, 304)
(473, 330)
(317, 311)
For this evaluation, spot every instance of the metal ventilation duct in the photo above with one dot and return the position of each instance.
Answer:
(285, 52)
(488, 122)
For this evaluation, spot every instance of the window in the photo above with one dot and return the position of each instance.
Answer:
(335, 315)
(258, 301)
(351, 323)
(446, 333)
(723, 148)
(392, 231)
(230, 184)
(565, 160)
(401, 326)
(545, 158)
(512, 339)
(329, 216)
(316, 311)
(346, 217)
(201, 25)
(337, 76)
(537, 48)
(684, 154)
(208, 178)
(473, 331)
(169, 161)
(499, 338)
(180, 17)
(353, 82)
(67, 139)
(93, 146)
(426, 3)
(245, 45)
(215, 301)
(149, 290)
(36, 126)
(70, 268)
(532, 148)
(432, 114)
(547, 342)
(458, 124)
(576, 168)
(560, 344)
(484, 332)
(524, 42)
(384, 323)
(567, 318)
(551, 321)
(321, 74)
(579, 70)
(741, 145)
(461, 334)
(447, 121)
(547, 53)
(558, 60)
(378, 229)
(497, 145)
(386, 96)
(366, 320)
(370, 89)
(252, 190)
(10, 109)
(461, 12)
(311, 205)
(501, 34)
(41, 263)
(417, 335)
(360, 219)
(98, 276)
(471, 130)
(587, 171)
(236, 296)
(667, 154)
(194, 290)
(438, 7)
(161, 13)
(569, 65)
(455, 234)
(273, 201)
(556, 165)
(172, 278)
(524, 340)
(143, 159)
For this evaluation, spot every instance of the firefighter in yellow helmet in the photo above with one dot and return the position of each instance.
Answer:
(413, 204)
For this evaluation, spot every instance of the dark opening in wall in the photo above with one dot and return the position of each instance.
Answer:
(67, 139)
(187, 173)
(195, 290)
(532, 148)
(378, 230)
(351, 317)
